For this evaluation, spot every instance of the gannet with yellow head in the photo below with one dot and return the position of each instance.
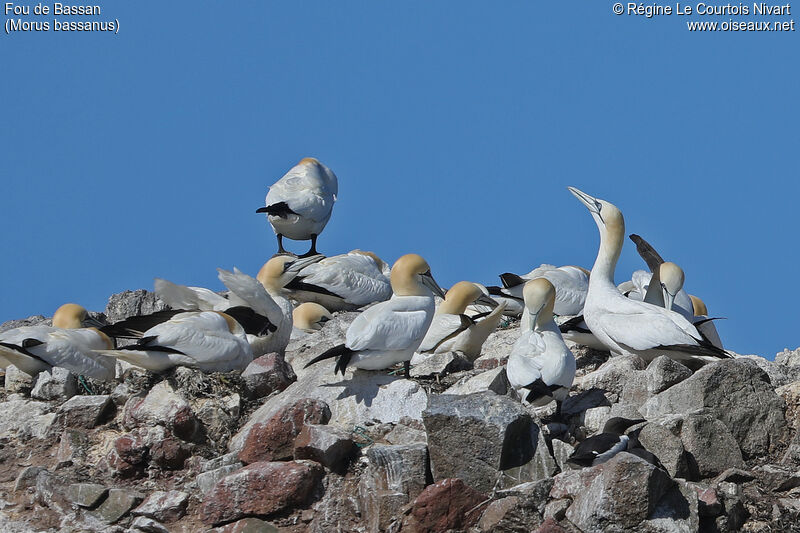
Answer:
(541, 368)
(571, 283)
(390, 332)
(69, 344)
(627, 326)
(454, 331)
(299, 205)
(310, 317)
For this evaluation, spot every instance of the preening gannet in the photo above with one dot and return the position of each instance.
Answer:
(390, 332)
(541, 367)
(453, 331)
(571, 283)
(626, 326)
(343, 282)
(211, 341)
(602, 447)
(68, 344)
(310, 317)
(299, 205)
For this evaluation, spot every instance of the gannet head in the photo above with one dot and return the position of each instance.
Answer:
(463, 294)
(699, 306)
(411, 276)
(540, 298)
(310, 316)
(605, 214)
(73, 316)
(672, 277)
(282, 269)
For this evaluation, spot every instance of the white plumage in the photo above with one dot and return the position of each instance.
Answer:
(571, 283)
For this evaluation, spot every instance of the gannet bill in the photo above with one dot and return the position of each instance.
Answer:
(571, 283)
(310, 317)
(541, 368)
(390, 332)
(454, 331)
(600, 448)
(626, 326)
(343, 282)
(69, 344)
(211, 341)
(299, 205)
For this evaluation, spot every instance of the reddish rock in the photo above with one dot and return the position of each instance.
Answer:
(709, 502)
(550, 526)
(169, 453)
(261, 489)
(330, 446)
(274, 439)
(448, 504)
(128, 456)
(267, 374)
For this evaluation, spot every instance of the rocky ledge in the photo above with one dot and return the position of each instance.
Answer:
(281, 448)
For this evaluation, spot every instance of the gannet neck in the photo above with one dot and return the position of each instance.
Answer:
(612, 236)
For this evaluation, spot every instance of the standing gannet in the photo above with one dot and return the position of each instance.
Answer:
(343, 282)
(627, 326)
(211, 341)
(571, 283)
(541, 368)
(68, 344)
(390, 332)
(300, 203)
(453, 331)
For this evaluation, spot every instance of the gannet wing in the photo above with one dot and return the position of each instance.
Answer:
(444, 327)
(353, 277)
(250, 291)
(189, 298)
(647, 252)
(382, 327)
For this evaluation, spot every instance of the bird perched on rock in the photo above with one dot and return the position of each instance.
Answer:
(299, 205)
(600, 448)
(69, 344)
(627, 326)
(343, 282)
(390, 332)
(211, 341)
(541, 368)
(453, 331)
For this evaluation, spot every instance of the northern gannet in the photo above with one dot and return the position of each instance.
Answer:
(541, 368)
(703, 323)
(343, 282)
(390, 332)
(454, 331)
(571, 283)
(627, 326)
(602, 447)
(211, 341)
(310, 317)
(68, 344)
(299, 205)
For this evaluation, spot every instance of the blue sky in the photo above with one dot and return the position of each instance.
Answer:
(454, 128)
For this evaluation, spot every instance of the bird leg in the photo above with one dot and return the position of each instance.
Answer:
(407, 368)
(313, 250)
(281, 249)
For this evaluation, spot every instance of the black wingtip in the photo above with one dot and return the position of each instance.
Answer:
(511, 280)
(341, 351)
(280, 209)
(647, 252)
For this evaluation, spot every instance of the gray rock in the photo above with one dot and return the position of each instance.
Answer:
(121, 394)
(23, 419)
(664, 443)
(475, 437)
(206, 481)
(165, 406)
(394, 477)
(118, 503)
(578, 403)
(84, 411)
(441, 364)
(148, 525)
(613, 375)
(330, 446)
(35, 320)
(72, 448)
(132, 303)
(27, 477)
(663, 372)
(561, 452)
(779, 375)
(542, 466)
(56, 384)
(50, 492)
(222, 460)
(531, 504)
(164, 506)
(301, 351)
(402, 434)
(594, 418)
(738, 393)
(267, 374)
(247, 525)
(17, 381)
(86, 495)
(778, 478)
(676, 512)
(494, 380)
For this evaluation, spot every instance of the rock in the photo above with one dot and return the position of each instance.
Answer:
(496, 349)
(550, 525)
(121, 394)
(663, 372)
(50, 492)
(72, 448)
(24, 419)
(790, 361)
(267, 374)
(163, 506)
(148, 525)
(735, 512)
(261, 488)
(402, 434)
(791, 395)
(365, 396)
(495, 512)
(662, 441)
(494, 380)
(734, 475)
(778, 478)
(440, 364)
(56, 384)
(613, 375)
(207, 480)
(561, 452)
(530, 506)
(116, 505)
(475, 437)
(778, 374)
(677, 511)
(394, 477)
(578, 403)
(27, 477)
(86, 495)
(594, 418)
(248, 525)
(447, 504)
(622, 493)
(17, 381)
(169, 453)
(35, 320)
(219, 417)
(542, 466)
(557, 509)
(274, 439)
(330, 446)
(165, 406)
(84, 411)
(132, 303)
(128, 456)
(738, 393)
